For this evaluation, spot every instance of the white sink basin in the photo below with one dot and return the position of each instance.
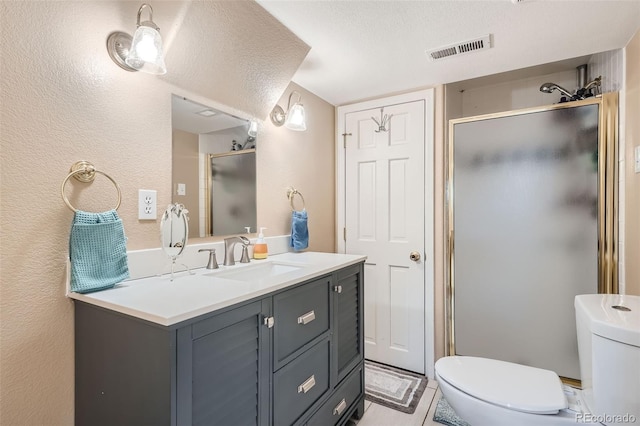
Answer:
(256, 272)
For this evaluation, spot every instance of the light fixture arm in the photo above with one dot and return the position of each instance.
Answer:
(299, 99)
(148, 23)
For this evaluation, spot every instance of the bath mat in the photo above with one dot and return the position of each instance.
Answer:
(444, 414)
(394, 388)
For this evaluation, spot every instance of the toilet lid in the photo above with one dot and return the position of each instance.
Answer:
(513, 386)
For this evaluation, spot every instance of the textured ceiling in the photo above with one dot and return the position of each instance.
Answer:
(362, 49)
(230, 51)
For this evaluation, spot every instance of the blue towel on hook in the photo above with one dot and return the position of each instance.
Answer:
(97, 250)
(299, 230)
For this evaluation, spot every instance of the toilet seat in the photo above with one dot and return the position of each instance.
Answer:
(505, 384)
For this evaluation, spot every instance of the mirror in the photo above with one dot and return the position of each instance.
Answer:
(213, 168)
(174, 232)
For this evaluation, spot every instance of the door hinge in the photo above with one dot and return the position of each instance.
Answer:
(344, 234)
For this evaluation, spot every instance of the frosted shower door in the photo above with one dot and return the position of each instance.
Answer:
(233, 192)
(525, 197)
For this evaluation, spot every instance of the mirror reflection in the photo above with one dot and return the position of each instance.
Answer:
(213, 168)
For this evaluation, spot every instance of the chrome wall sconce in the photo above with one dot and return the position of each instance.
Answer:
(293, 119)
(253, 129)
(143, 51)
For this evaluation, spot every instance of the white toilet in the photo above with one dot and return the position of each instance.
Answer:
(489, 392)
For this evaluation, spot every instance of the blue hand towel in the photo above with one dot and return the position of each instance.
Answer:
(98, 253)
(299, 230)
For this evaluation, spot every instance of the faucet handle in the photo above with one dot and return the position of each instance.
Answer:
(245, 254)
(213, 262)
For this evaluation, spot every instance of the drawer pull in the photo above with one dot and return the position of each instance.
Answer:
(340, 407)
(307, 385)
(337, 289)
(307, 318)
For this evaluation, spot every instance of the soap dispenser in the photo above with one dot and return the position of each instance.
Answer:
(260, 250)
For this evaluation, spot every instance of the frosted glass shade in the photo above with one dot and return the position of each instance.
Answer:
(253, 129)
(295, 118)
(146, 51)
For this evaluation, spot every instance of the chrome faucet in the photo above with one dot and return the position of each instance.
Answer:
(229, 245)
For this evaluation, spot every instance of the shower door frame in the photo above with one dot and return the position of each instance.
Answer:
(607, 197)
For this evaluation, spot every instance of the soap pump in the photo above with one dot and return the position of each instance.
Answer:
(260, 250)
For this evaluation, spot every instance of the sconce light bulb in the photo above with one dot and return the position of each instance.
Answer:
(146, 49)
(253, 128)
(296, 118)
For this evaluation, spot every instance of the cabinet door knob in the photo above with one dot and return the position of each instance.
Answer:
(269, 321)
(307, 318)
(307, 385)
(340, 407)
(337, 289)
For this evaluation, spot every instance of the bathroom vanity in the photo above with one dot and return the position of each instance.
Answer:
(275, 342)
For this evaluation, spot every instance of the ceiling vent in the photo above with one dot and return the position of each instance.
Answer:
(461, 48)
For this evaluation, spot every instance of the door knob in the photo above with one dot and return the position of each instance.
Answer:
(415, 256)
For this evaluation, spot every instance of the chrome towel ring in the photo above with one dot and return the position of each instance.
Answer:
(291, 193)
(85, 171)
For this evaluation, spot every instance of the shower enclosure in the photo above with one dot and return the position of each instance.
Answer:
(532, 223)
(231, 192)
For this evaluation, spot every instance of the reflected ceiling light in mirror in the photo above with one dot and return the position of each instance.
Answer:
(143, 51)
(293, 119)
(206, 113)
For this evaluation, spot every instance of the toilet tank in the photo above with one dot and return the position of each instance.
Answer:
(608, 327)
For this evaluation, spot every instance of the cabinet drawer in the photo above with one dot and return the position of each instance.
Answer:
(345, 396)
(301, 315)
(300, 383)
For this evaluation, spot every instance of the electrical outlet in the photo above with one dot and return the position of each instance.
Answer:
(147, 204)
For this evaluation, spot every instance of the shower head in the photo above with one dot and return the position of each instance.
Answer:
(550, 87)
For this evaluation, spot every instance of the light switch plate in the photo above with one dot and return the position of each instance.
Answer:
(147, 204)
(182, 189)
(636, 156)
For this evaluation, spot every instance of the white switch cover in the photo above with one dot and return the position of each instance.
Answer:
(637, 158)
(147, 204)
(182, 189)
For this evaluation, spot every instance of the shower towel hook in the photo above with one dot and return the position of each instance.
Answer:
(85, 171)
(291, 193)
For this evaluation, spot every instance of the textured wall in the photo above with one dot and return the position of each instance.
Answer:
(233, 51)
(632, 179)
(63, 100)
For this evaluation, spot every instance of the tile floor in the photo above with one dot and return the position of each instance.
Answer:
(378, 415)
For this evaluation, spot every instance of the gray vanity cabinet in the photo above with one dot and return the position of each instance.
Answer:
(223, 368)
(292, 357)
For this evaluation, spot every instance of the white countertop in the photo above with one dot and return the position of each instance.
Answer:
(166, 302)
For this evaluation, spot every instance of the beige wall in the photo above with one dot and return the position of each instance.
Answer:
(64, 100)
(305, 161)
(632, 180)
(184, 155)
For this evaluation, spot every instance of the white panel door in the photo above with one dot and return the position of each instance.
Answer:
(384, 218)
